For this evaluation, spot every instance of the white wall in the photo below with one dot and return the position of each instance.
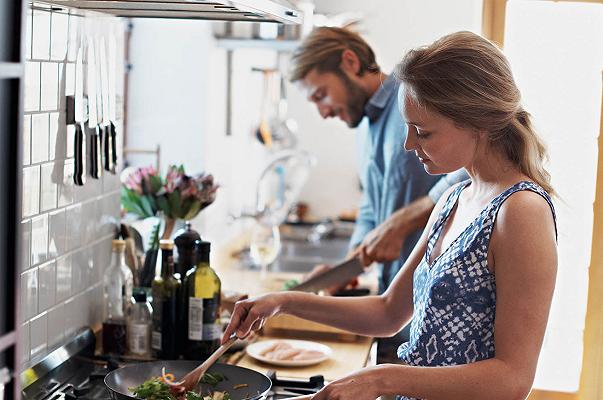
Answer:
(177, 97)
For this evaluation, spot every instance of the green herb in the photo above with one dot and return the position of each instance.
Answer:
(212, 379)
(290, 283)
(153, 389)
(193, 396)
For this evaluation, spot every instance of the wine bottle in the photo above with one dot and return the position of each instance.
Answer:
(202, 305)
(166, 301)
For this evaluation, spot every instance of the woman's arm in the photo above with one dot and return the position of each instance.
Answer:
(523, 249)
(378, 316)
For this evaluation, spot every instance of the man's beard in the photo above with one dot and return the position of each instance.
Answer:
(356, 99)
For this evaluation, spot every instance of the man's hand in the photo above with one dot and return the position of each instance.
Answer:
(384, 243)
(333, 289)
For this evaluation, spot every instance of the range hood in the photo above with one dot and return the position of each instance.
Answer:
(221, 10)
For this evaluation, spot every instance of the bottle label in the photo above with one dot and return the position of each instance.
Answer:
(156, 340)
(195, 318)
(211, 331)
(138, 335)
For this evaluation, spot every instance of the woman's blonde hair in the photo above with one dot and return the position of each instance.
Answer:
(322, 50)
(467, 78)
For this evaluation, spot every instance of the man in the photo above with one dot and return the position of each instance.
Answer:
(337, 70)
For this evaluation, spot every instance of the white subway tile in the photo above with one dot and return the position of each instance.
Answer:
(79, 271)
(74, 37)
(23, 343)
(41, 35)
(95, 305)
(74, 226)
(66, 187)
(49, 188)
(89, 220)
(38, 336)
(39, 239)
(102, 259)
(28, 28)
(31, 191)
(60, 36)
(49, 95)
(39, 137)
(71, 316)
(25, 244)
(56, 139)
(46, 286)
(29, 294)
(26, 140)
(32, 86)
(63, 279)
(57, 242)
(109, 218)
(56, 326)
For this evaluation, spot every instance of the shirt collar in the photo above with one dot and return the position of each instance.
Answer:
(376, 104)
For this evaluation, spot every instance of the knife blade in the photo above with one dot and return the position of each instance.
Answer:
(79, 152)
(341, 273)
(105, 122)
(93, 125)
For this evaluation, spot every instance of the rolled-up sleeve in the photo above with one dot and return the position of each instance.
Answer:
(447, 181)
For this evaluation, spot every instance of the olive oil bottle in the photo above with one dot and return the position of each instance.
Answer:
(166, 302)
(202, 305)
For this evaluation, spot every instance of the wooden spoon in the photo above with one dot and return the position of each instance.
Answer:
(191, 380)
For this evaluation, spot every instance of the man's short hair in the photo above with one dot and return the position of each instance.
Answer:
(322, 50)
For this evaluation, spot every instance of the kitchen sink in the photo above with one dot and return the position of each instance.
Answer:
(303, 256)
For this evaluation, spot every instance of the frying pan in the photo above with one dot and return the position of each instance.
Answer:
(121, 379)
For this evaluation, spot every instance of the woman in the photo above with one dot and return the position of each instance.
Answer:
(478, 285)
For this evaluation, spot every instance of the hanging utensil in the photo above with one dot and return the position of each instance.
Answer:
(93, 125)
(107, 147)
(79, 172)
(112, 114)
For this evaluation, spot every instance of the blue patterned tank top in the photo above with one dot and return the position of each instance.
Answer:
(455, 298)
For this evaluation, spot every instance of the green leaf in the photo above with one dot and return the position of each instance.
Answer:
(174, 199)
(130, 202)
(193, 211)
(156, 183)
(163, 205)
(146, 206)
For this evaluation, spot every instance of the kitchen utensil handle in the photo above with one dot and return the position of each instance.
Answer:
(94, 152)
(79, 172)
(198, 372)
(106, 142)
(113, 137)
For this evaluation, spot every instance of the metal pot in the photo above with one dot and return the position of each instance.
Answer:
(120, 380)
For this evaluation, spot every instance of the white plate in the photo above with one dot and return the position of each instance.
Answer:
(255, 350)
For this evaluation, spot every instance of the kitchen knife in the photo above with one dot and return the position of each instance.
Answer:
(112, 102)
(93, 126)
(341, 273)
(79, 152)
(105, 129)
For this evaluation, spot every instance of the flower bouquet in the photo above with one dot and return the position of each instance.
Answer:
(177, 196)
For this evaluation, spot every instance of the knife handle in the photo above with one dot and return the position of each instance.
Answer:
(79, 172)
(95, 162)
(113, 137)
(106, 141)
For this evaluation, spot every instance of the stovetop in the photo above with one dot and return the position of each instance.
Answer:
(73, 372)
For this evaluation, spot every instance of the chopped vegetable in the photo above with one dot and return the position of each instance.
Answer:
(290, 283)
(212, 379)
(239, 386)
(153, 389)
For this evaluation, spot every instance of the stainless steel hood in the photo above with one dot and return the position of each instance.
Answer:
(222, 10)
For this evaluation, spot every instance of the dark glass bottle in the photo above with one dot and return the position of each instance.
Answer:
(202, 305)
(185, 242)
(166, 304)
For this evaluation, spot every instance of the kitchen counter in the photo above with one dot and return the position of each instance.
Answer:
(350, 352)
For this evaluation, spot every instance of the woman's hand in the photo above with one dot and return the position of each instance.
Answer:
(364, 384)
(250, 315)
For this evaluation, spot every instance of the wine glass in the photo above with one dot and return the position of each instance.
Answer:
(265, 245)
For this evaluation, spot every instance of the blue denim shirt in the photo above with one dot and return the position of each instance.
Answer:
(391, 177)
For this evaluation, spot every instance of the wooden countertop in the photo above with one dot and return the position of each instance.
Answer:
(349, 354)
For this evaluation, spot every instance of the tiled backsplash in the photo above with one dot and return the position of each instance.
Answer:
(67, 229)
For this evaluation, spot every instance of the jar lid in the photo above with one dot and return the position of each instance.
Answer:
(187, 239)
(202, 247)
(118, 244)
(166, 244)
